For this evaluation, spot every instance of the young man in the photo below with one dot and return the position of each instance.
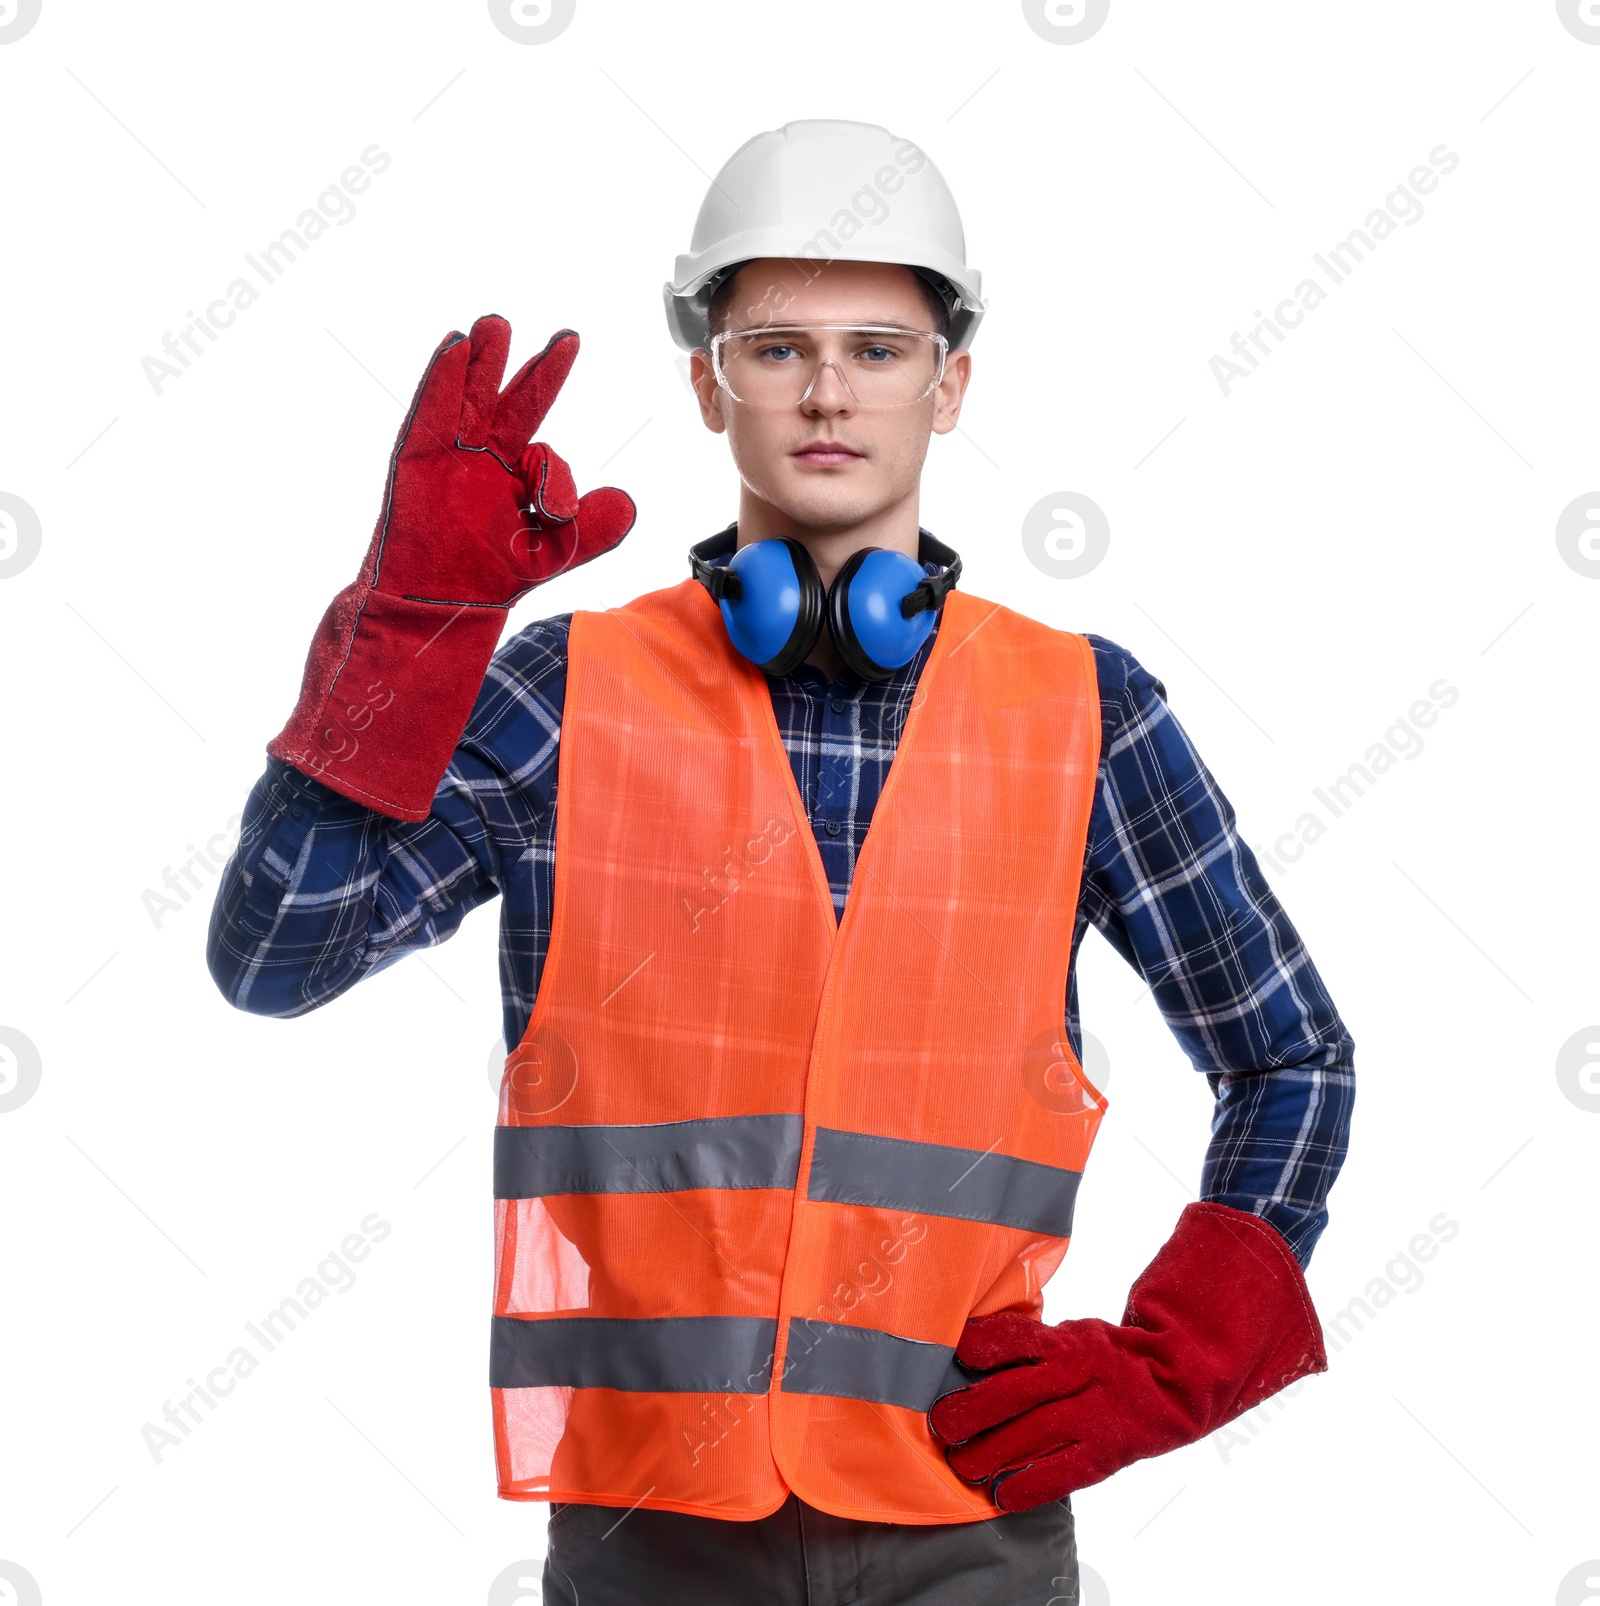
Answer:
(791, 1133)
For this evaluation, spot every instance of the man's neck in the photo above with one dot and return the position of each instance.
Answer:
(831, 546)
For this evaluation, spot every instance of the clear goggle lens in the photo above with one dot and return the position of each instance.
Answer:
(780, 365)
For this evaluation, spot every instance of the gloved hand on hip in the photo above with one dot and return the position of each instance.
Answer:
(473, 517)
(1220, 1320)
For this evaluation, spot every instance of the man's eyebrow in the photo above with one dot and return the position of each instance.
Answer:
(832, 323)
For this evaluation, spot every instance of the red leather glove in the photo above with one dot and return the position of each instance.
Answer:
(473, 517)
(1219, 1320)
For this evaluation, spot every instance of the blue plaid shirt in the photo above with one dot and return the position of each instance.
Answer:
(323, 891)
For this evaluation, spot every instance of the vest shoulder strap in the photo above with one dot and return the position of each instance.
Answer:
(1009, 643)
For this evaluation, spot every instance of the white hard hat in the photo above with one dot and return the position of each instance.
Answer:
(824, 191)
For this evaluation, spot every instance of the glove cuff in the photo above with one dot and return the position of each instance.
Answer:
(1227, 1285)
(388, 688)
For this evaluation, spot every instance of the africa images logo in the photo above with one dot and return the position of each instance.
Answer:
(1066, 22)
(17, 17)
(532, 22)
(20, 534)
(1402, 205)
(336, 206)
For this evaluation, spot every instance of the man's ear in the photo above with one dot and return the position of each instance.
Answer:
(707, 391)
(951, 389)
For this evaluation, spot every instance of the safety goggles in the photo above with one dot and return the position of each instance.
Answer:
(778, 365)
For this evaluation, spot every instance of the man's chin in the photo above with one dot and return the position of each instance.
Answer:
(816, 507)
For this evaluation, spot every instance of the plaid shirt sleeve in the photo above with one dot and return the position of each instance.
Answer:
(1180, 896)
(322, 891)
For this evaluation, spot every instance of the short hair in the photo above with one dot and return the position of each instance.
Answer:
(936, 291)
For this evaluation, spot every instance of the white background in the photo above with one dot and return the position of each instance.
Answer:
(1373, 509)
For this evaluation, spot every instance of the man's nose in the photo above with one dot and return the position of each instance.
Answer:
(829, 391)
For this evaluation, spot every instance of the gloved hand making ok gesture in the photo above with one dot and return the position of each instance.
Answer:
(473, 517)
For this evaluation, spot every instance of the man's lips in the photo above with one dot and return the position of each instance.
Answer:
(826, 454)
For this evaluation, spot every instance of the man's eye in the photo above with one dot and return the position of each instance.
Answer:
(776, 353)
(878, 355)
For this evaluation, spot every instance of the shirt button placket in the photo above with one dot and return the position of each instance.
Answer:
(834, 781)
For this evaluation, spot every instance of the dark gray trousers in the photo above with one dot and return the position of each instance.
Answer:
(799, 1556)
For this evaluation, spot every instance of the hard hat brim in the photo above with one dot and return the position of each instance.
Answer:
(688, 294)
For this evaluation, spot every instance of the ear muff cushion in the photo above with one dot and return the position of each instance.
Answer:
(777, 620)
(864, 612)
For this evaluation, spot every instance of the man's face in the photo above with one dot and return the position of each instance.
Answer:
(827, 462)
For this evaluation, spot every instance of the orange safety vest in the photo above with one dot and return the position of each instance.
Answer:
(754, 1168)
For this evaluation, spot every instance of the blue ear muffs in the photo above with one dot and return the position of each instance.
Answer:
(879, 610)
(774, 611)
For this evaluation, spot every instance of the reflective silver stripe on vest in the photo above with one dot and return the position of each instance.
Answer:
(660, 1354)
(862, 1363)
(858, 1168)
(738, 1151)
